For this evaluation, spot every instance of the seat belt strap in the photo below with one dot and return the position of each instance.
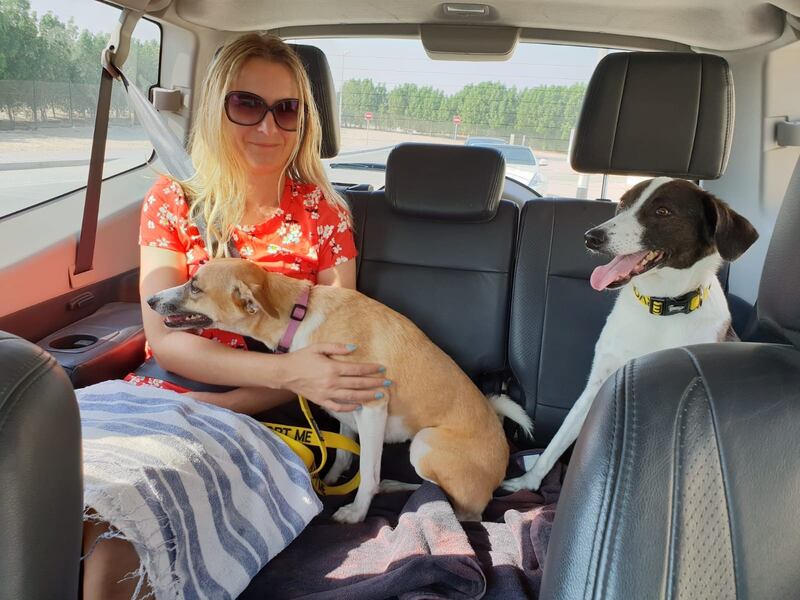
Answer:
(167, 146)
(84, 255)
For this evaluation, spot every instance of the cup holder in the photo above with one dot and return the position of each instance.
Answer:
(73, 342)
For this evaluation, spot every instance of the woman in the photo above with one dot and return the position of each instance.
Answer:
(260, 188)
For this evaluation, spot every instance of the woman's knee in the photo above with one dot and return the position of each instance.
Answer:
(110, 565)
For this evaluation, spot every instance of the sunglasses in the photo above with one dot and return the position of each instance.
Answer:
(245, 108)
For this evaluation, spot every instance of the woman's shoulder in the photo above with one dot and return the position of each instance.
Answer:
(167, 187)
(302, 189)
(313, 199)
(167, 192)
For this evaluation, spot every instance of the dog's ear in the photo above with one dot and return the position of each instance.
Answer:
(253, 298)
(732, 233)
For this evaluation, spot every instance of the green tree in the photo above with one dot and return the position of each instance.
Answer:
(18, 52)
(360, 96)
(488, 103)
(49, 67)
(548, 113)
(545, 114)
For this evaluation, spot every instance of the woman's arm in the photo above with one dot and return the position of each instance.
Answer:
(310, 372)
(342, 275)
(254, 400)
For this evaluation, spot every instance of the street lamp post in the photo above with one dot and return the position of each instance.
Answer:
(341, 86)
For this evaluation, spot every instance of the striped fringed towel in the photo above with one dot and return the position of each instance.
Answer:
(205, 495)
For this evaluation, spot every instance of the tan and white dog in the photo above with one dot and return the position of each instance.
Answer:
(458, 440)
(667, 242)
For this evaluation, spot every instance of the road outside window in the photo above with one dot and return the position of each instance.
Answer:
(49, 83)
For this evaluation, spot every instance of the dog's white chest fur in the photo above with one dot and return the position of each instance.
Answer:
(631, 331)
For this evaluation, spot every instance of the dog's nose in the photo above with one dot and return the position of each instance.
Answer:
(152, 301)
(595, 238)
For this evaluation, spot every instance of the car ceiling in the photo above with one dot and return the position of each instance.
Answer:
(710, 24)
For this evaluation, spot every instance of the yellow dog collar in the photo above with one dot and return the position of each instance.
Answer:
(665, 307)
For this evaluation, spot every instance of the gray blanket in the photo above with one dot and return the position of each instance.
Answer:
(412, 547)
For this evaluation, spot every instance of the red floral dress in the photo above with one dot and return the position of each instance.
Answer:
(304, 236)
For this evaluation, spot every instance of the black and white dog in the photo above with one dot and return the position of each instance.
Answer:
(668, 240)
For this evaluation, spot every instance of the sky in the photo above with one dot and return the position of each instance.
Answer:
(388, 61)
(394, 62)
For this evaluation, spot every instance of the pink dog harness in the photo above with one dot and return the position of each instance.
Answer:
(296, 317)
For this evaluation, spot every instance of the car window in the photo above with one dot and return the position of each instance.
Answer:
(49, 84)
(389, 91)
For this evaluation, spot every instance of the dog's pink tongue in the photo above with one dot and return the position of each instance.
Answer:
(604, 276)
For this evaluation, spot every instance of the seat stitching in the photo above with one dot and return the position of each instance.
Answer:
(610, 477)
(619, 110)
(546, 296)
(729, 117)
(628, 447)
(723, 467)
(678, 456)
(696, 121)
(17, 392)
(20, 372)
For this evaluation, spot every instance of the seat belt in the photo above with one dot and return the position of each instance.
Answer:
(84, 256)
(167, 146)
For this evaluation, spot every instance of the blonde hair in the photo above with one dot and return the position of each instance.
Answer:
(217, 190)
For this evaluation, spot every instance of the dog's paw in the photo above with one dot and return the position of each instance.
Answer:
(515, 485)
(350, 513)
(531, 480)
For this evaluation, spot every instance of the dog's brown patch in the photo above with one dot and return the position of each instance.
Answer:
(689, 223)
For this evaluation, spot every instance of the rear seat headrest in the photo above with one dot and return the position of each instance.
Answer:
(324, 92)
(439, 181)
(656, 113)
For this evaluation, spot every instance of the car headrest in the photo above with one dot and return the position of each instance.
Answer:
(779, 290)
(439, 181)
(324, 92)
(656, 113)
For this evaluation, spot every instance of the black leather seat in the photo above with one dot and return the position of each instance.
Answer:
(684, 480)
(41, 490)
(556, 317)
(653, 113)
(438, 246)
(683, 483)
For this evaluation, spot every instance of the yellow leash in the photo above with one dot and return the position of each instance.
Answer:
(300, 438)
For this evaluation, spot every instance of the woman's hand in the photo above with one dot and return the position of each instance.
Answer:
(333, 384)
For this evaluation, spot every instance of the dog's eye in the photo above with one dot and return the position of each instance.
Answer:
(193, 288)
(662, 211)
